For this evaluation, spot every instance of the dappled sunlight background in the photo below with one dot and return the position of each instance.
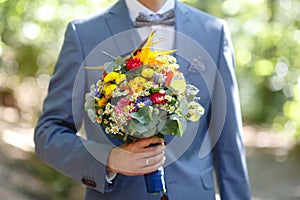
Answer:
(266, 38)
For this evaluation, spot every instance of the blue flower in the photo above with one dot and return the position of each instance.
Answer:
(144, 101)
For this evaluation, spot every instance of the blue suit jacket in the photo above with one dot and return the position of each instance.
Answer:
(206, 59)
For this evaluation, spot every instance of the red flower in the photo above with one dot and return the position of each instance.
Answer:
(158, 98)
(133, 63)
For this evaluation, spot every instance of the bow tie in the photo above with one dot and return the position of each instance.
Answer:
(167, 19)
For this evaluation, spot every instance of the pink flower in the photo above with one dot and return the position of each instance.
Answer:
(120, 107)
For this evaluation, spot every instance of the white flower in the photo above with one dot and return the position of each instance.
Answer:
(107, 130)
(140, 104)
(168, 97)
(114, 129)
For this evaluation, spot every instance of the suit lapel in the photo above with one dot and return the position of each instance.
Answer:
(191, 55)
(122, 29)
(183, 27)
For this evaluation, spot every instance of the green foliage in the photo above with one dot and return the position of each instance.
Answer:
(265, 33)
(266, 38)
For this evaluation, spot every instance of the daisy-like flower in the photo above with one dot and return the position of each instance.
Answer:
(201, 110)
(171, 59)
(134, 96)
(108, 109)
(171, 109)
(131, 107)
(169, 98)
(140, 104)
(145, 93)
(114, 129)
(107, 130)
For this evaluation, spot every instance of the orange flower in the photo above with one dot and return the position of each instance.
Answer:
(102, 102)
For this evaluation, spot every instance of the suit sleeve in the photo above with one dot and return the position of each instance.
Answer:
(56, 139)
(229, 150)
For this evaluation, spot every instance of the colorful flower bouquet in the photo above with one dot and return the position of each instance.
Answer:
(143, 95)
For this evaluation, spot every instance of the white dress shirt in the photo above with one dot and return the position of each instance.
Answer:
(162, 32)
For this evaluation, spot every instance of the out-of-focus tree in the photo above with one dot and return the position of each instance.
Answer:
(266, 37)
(31, 33)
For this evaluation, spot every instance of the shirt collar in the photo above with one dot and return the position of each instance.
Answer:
(135, 7)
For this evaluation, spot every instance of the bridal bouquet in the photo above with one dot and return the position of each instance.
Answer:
(143, 95)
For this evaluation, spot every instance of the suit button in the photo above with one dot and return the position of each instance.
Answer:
(88, 182)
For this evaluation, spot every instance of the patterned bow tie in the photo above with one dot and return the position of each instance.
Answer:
(167, 19)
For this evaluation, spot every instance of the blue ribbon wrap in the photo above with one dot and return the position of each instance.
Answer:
(155, 181)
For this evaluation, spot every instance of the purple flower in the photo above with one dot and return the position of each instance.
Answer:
(144, 101)
(159, 77)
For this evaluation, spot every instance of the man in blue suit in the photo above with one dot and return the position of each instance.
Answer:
(110, 171)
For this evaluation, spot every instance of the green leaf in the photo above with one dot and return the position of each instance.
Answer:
(150, 132)
(109, 66)
(89, 102)
(135, 126)
(143, 115)
(179, 85)
(91, 115)
(170, 127)
(183, 106)
(182, 123)
(191, 92)
(119, 61)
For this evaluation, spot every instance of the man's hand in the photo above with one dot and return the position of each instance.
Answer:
(137, 158)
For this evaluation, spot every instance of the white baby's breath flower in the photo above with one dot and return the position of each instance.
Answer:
(174, 66)
(172, 59)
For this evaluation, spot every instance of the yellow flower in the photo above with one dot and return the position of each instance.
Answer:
(133, 85)
(120, 78)
(147, 73)
(138, 83)
(110, 89)
(139, 79)
(111, 77)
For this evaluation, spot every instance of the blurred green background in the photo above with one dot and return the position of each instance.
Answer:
(266, 38)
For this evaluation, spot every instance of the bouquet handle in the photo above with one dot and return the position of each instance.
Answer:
(155, 181)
